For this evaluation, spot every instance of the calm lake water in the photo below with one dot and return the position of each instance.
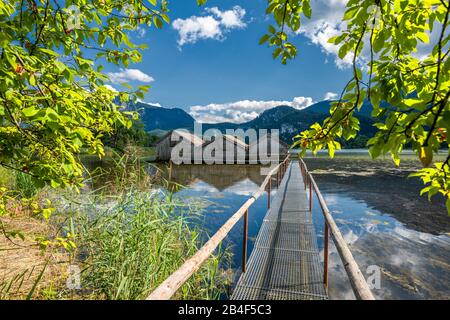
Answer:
(377, 209)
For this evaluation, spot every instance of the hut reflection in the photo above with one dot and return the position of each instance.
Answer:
(218, 176)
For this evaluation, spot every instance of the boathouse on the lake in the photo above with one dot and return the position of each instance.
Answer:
(183, 147)
(172, 140)
(267, 147)
(225, 149)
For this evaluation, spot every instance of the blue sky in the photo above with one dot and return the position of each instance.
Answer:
(208, 61)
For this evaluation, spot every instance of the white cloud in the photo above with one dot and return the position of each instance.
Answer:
(126, 75)
(151, 104)
(326, 22)
(330, 96)
(212, 26)
(242, 111)
(141, 32)
(110, 88)
(231, 18)
(243, 188)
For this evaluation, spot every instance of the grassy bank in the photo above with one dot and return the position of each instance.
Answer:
(129, 238)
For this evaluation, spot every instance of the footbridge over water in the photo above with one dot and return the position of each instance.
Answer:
(285, 262)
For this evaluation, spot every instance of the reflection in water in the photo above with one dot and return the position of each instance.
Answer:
(223, 189)
(414, 265)
(383, 187)
(221, 177)
(411, 248)
(387, 224)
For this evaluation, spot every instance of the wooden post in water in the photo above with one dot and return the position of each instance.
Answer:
(325, 256)
(244, 242)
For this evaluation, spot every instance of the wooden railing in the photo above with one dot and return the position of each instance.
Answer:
(356, 278)
(169, 287)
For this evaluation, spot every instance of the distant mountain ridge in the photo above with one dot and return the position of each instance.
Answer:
(288, 120)
(291, 121)
(159, 118)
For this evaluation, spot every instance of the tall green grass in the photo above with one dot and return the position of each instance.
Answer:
(7, 178)
(130, 248)
(25, 186)
(21, 184)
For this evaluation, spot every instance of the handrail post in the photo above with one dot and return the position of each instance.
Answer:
(310, 194)
(268, 192)
(304, 174)
(306, 180)
(325, 256)
(244, 242)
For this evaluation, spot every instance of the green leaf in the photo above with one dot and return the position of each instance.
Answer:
(272, 29)
(343, 50)
(378, 41)
(422, 36)
(158, 22)
(30, 111)
(307, 9)
(350, 13)
(49, 52)
(32, 80)
(264, 39)
(374, 151)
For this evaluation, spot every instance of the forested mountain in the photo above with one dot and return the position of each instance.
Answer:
(288, 120)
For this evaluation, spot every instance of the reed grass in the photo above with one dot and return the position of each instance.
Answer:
(7, 179)
(130, 248)
(25, 186)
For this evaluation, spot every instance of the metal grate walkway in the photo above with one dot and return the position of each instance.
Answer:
(285, 263)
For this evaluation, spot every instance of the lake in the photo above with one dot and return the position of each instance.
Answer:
(377, 208)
